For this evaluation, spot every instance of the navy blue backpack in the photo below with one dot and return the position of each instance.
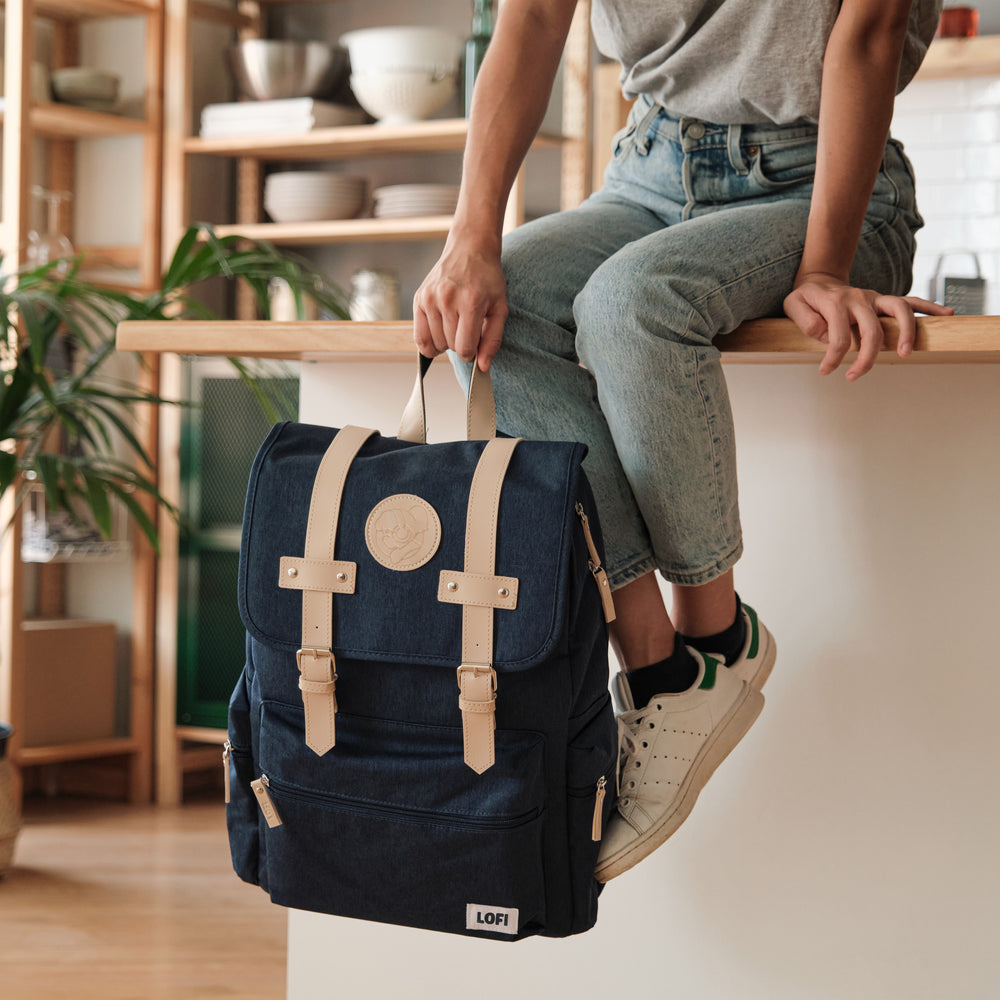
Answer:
(422, 733)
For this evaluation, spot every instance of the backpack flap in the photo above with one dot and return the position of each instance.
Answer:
(402, 521)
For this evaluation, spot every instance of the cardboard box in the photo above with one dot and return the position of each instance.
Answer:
(69, 690)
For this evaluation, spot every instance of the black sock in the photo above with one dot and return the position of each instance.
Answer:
(728, 643)
(670, 676)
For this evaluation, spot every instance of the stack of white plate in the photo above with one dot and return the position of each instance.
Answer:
(401, 200)
(313, 195)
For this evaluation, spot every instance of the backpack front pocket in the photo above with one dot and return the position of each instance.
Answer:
(392, 825)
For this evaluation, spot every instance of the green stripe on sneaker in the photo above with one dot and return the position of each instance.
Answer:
(754, 632)
(708, 681)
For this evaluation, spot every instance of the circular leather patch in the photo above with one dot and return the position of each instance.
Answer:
(403, 532)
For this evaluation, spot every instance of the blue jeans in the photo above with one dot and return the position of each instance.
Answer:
(615, 305)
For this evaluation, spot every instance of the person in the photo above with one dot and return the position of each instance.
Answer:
(755, 174)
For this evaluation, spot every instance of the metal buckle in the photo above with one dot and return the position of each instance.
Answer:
(476, 671)
(317, 654)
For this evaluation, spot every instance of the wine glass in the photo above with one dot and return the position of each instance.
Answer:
(50, 245)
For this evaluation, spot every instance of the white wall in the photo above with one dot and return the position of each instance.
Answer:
(847, 850)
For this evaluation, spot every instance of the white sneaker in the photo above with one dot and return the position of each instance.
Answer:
(754, 663)
(670, 748)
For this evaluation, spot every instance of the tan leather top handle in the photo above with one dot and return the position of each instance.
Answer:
(480, 415)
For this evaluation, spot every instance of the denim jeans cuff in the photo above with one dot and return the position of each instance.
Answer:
(695, 578)
(639, 566)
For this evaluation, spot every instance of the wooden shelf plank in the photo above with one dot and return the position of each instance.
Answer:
(82, 10)
(940, 339)
(115, 747)
(959, 57)
(341, 142)
(63, 121)
(202, 734)
(424, 227)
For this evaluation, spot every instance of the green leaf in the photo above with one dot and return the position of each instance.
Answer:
(98, 504)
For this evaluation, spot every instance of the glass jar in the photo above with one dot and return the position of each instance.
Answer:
(374, 296)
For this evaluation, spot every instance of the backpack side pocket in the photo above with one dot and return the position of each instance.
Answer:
(590, 797)
(242, 813)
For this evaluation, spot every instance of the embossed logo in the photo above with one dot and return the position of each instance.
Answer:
(403, 532)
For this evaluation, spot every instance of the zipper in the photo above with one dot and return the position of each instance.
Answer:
(364, 808)
(603, 586)
(260, 787)
(227, 749)
(595, 828)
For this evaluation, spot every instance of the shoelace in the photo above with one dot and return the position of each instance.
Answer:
(627, 747)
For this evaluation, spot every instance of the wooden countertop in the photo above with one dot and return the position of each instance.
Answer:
(940, 340)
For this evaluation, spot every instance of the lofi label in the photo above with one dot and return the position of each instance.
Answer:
(499, 919)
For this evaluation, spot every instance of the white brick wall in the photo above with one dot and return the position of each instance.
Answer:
(951, 131)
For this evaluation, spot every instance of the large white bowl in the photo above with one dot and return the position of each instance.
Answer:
(401, 48)
(311, 195)
(396, 97)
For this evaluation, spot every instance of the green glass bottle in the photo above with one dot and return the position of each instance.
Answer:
(475, 46)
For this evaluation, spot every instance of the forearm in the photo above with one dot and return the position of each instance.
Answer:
(511, 95)
(860, 72)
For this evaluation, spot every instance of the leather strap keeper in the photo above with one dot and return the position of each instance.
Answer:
(484, 591)
(334, 577)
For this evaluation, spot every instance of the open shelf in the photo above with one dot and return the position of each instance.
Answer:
(82, 10)
(425, 227)
(940, 339)
(63, 121)
(63, 752)
(442, 136)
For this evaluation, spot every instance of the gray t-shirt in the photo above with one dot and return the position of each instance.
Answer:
(734, 61)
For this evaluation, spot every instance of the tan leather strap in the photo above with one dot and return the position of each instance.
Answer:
(476, 677)
(318, 575)
(480, 414)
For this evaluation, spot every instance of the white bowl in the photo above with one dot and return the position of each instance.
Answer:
(310, 195)
(396, 97)
(402, 48)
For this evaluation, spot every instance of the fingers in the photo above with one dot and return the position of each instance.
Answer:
(840, 341)
(926, 306)
(492, 336)
(468, 332)
(901, 310)
(872, 339)
(428, 328)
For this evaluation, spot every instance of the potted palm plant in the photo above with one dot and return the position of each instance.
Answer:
(66, 425)
(59, 423)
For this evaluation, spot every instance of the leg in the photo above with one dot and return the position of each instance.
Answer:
(541, 390)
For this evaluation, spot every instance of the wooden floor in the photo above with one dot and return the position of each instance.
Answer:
(110, 902)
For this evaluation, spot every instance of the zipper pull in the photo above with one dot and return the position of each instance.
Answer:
(260, 787)
(595, 830)
(227, 748)
(595, 566)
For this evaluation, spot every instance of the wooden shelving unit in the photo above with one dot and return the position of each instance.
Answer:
(61, 127)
